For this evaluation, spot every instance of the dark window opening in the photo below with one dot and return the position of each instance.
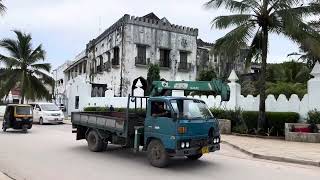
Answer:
(84, 67)
(116, 55)
(164, 58)
(99, 67)
(142, 55)
(184, 61)
(80, 68)
(76, 102)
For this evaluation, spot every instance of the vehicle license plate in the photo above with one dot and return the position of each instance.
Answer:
(205, 150)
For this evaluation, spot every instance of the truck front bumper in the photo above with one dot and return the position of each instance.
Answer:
(193, 150)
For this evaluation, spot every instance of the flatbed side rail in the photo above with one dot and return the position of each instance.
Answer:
(111, 124)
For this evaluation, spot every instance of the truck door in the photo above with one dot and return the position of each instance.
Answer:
(163, 126)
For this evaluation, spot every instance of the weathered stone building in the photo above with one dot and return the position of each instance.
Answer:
(122, 53)
(220, 62)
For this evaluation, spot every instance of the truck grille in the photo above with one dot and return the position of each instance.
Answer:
(55, 114)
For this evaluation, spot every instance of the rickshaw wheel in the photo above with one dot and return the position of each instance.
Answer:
(25, 129)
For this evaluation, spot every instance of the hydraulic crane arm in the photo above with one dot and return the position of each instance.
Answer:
(217, 87)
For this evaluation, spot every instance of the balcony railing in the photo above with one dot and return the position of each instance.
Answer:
(164, 63)
(142, 61)
(184, 66)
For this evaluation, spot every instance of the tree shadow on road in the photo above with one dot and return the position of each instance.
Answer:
(139, 159)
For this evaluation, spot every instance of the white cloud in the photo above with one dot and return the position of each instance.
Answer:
(65, 26)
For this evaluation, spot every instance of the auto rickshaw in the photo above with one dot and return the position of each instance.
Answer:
(17, 116)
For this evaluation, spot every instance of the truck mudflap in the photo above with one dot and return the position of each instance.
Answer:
(194, 150)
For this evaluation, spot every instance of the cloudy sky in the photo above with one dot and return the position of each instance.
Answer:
(65, 26)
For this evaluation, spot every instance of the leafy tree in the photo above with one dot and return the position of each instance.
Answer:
(207, 75)
(153, 75)
(287, 88)
(254, 21)
(22, 68)
(2, 8)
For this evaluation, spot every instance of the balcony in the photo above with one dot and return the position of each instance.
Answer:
(115, 63)
(164, 64)
(142, 61)
(184, 67)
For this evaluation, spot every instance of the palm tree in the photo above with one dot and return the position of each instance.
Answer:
(254, 20)
(2, 8)
(23, 70)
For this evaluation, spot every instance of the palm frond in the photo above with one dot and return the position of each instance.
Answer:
(36, 55)
(11, 78)
(2, 7)
(255, 48)
(235, 38)
(232, 5)
(25, 45)
(9, 61)
(223, 22)
(43, 66)
(11, 46)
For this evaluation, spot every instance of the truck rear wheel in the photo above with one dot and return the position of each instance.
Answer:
(194, 157)
(95, 143)
(157, 154)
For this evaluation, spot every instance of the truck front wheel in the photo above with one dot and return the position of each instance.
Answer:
(95, 143)
(157, 154)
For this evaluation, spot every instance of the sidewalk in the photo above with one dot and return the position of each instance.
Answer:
(276, 150)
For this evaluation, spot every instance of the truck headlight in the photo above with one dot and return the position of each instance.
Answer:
(187, 144)
(183, 145)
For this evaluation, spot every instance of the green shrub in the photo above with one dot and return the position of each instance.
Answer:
(96, 109)
(313, 117)
(275, 120)
(246, 121)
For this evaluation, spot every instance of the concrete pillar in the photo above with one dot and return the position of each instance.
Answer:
(314, 88)
(235, 91)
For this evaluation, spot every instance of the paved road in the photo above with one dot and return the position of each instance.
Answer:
(51, 152)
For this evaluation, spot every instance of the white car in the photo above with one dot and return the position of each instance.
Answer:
(47, 113)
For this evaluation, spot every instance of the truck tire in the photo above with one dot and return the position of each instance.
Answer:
(157, 155)
(194, 157)
(95, 143)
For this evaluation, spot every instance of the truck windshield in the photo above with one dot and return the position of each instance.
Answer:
(191, 109)
(49, 107)
(23, 110)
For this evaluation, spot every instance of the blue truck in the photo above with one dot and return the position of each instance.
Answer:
(167, 127)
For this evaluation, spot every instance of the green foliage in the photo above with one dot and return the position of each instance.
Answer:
(207, 75)
(22, 68)
(313, 117)
(252, 22)
(153, 75)
(276, 120)
(246, 121)
(287, 89)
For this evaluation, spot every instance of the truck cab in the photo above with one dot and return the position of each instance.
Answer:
(179, 126)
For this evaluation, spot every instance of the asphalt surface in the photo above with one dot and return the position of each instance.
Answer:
(51, 152)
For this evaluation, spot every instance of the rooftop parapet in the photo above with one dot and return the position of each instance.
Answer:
(160, 25)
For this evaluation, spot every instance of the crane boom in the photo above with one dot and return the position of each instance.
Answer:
(217, 87)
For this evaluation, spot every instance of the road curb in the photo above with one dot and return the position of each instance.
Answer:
(3, 176)
(274, 158)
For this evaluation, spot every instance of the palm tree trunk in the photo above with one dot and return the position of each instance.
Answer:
(262, 106)
(22, 88)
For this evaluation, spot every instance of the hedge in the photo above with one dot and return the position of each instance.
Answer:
(275, 120)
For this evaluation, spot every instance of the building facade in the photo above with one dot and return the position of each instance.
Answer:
(221, 62)
(121, 55)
